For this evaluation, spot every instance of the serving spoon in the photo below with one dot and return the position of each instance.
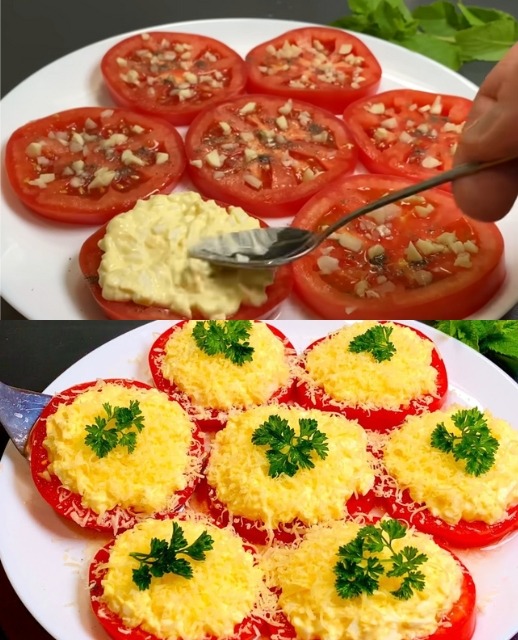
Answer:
(274, 246)
(19, 410)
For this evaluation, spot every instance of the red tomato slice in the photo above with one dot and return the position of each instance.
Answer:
(217, 418)
(86, 165)
(69, 504)
(172, 75)
(350, 277)
(115, 628)
(463, 535)
(327, 67)
(253, 530)
(266, 154)
(376, 419)
(408, 133)
(458, 624)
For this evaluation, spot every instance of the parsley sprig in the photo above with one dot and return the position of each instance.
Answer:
(475, 444)
(375, 340)
(229, 338)
(288, 452)
(103, 440)
(359, 568)
(163, 557)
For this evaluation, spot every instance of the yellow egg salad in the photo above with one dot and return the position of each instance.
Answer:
(357, 379)
(312, 604)
(239, 472)
(436, 479)
(217, 382)
(146, 259)
(143, 480)
(224, 589)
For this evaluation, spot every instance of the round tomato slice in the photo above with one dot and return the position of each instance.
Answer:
(376, 419)
(327, 67)
(253, 531)
(420, 258)
(90, 259)
(86, 165)
(463, 535)
(408, 133)
(69, 504)
(458, 624)
(216, 418)
(267, 154)
(172, 75)
(115, 628)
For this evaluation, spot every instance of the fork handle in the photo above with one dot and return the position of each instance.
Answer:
(461, 170)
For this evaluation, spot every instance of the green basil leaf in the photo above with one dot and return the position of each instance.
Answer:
(439, 18)
(446, 53)
(489, 42)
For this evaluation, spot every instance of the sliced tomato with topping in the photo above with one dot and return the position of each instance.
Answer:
(376, 419)
(327, 67)
(216, 418)
(86, 165)
(420, 258)
(458, 624)
(90, 257)
(172, 75)
(267, 154)
(408, 133)
(69, 504)
(205, 499)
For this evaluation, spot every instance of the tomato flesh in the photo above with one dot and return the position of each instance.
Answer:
(86, 165)
(381, 419)
(67, 503)
(327, 67)
(408, 133)
(172, 75)
(420, 258)
(217, 418)
(266, 154)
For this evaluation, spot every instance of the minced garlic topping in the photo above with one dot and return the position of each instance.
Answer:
(438, 480)
(314, 608)
(215, 381)
(238, 470)
(357, 379)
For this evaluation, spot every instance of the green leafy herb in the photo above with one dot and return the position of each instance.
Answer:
(451, 33)
(289, 452)
(475, 444)
(359, 568)
(229, 338)
(376, 340)
(163, 557)
(102, 440)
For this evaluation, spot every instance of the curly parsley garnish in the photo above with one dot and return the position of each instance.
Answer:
(103, 440)
(163, 557)
(289, 452)
(375, 340)
(475, 444)
(359, 568)
(229, 338)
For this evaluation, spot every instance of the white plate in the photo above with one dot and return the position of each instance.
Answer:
(41, 276)
(46, 558)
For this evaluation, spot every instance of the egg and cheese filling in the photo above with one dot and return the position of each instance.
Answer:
(239, 470)
(146, 259)
(310, 600)
(221, 593)
(438, 480)
(215, 381)
(144, 480)
(357, 379)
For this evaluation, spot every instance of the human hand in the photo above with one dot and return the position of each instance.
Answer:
(490, 133)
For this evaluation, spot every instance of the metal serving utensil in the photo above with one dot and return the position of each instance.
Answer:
(274, 246)
(19, 410)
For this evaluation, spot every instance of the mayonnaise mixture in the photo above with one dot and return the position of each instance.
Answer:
(146, 258)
